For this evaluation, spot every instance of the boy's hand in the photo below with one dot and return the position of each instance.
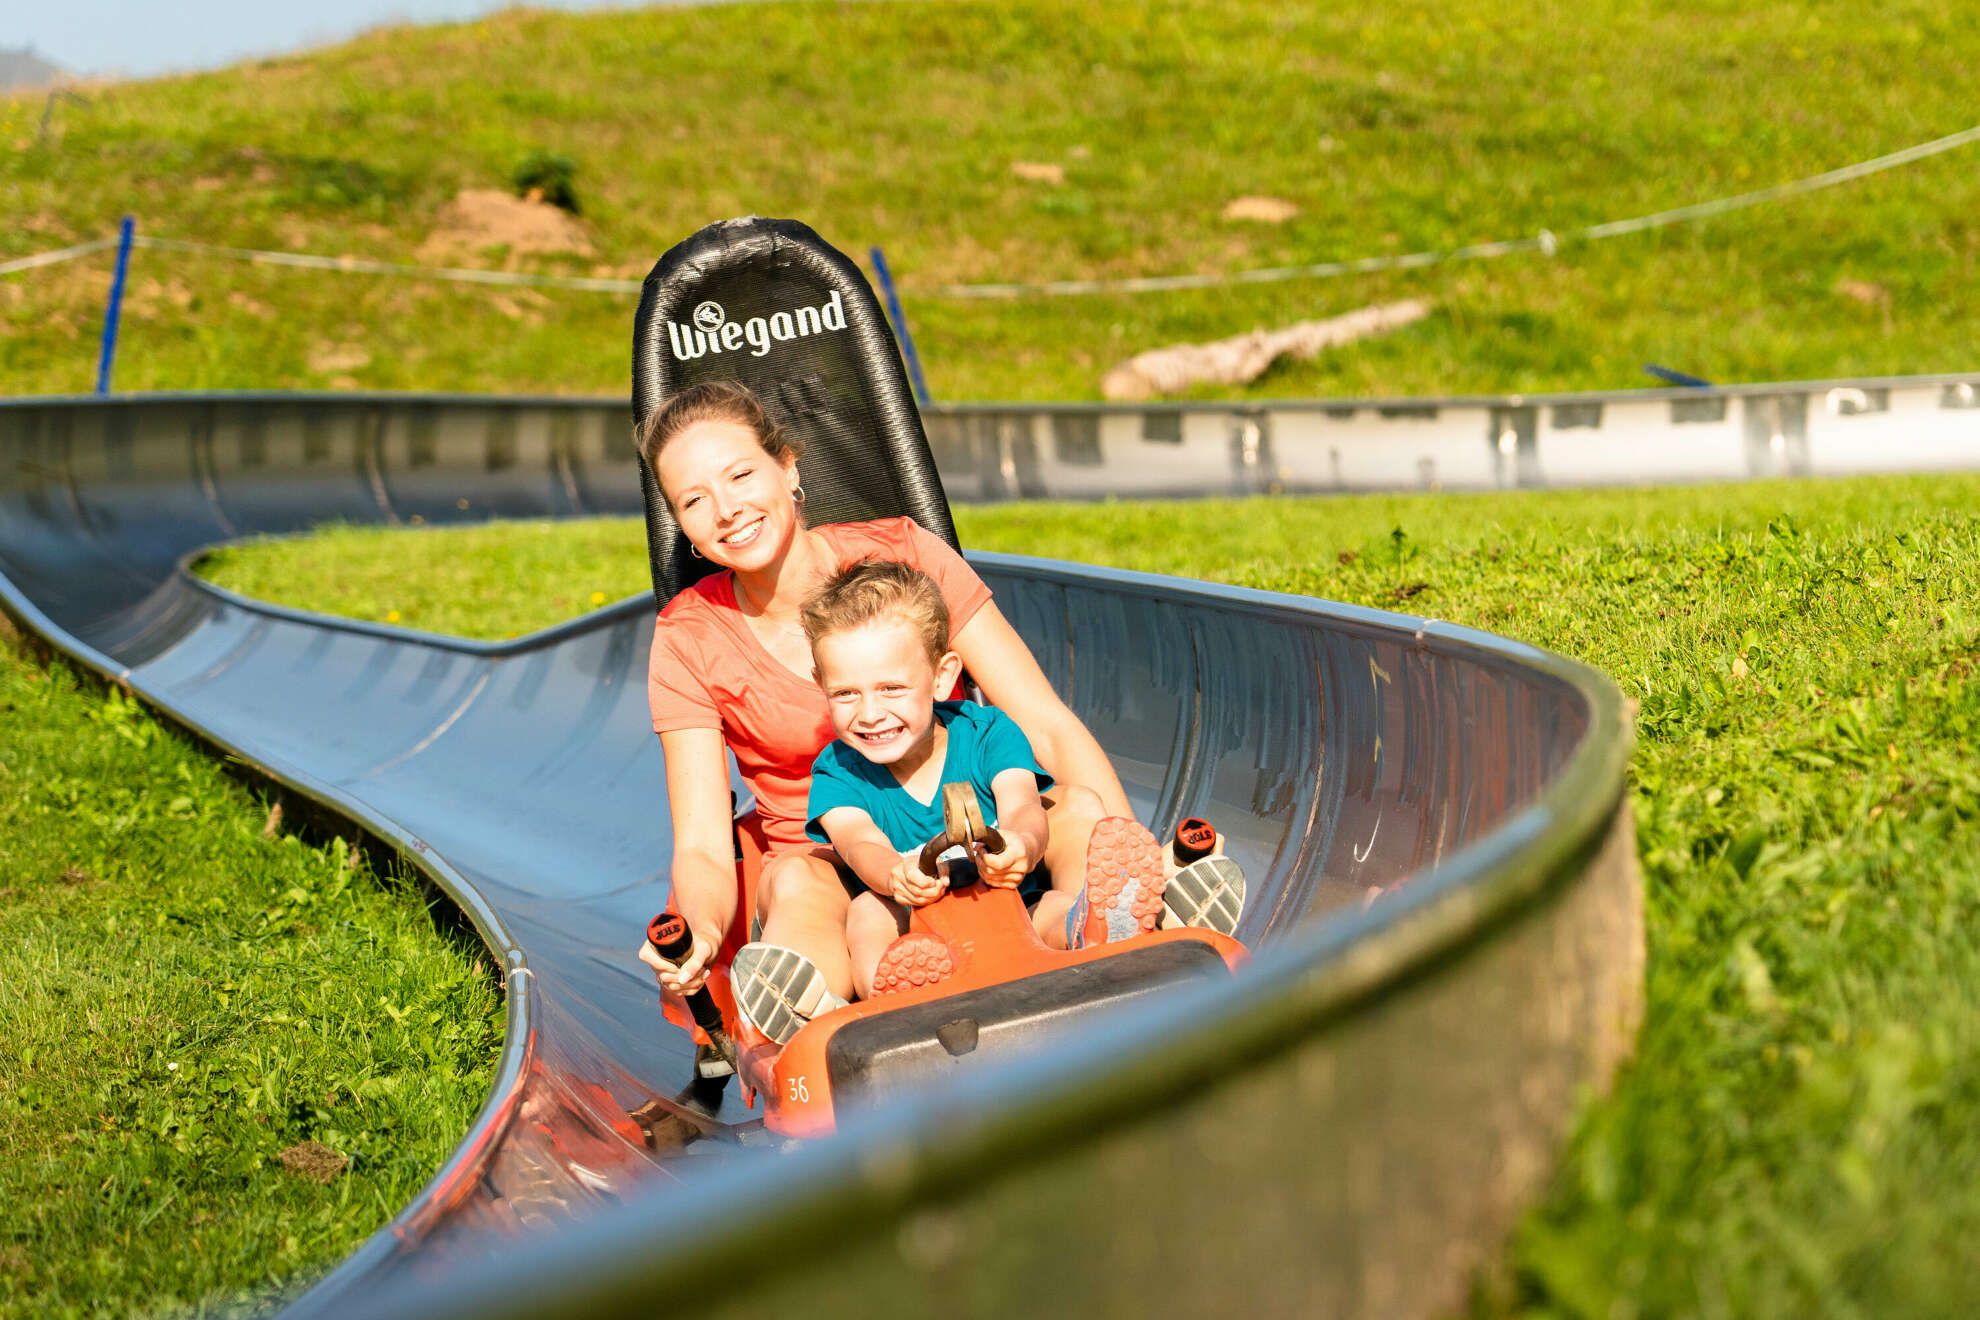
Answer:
(1004, 870)
(685, 977)
(914, 888)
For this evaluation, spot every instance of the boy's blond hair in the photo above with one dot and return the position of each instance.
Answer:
(875, 589)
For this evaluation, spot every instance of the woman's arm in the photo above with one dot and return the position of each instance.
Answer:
(704, 870)
(1003, 667)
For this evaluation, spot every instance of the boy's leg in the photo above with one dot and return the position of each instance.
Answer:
(872, 923)
(803, 903)
(1071, 812)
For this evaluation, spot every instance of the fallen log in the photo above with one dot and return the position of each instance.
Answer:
(1244, 358)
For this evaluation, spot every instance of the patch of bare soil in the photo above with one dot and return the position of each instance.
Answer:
(259, 310)
(328, 358)
(148, 297)
(480, 218)
(1870, 295)
(314, 1160)
(1267, 210)
(1037, 171)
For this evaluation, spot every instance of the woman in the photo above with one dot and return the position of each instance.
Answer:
(731, 669)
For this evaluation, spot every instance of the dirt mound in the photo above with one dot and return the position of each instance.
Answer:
(480, 218)
(1269, 210)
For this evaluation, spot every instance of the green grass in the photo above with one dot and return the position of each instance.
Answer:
(491, 581)
(1798, 1132)
(185, 995)
(1395, 130)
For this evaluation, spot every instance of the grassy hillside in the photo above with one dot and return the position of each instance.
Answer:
(899, 124)
(1796, 1135)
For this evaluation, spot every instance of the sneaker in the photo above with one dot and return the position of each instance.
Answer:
(911, 962)
(1208, 894)
(778, 990)
(1123, 893)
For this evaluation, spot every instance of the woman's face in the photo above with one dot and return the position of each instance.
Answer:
(732, 499)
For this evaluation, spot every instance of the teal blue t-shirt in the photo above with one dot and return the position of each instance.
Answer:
(983, 743)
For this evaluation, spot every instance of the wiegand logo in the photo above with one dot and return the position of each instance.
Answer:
(711, 331)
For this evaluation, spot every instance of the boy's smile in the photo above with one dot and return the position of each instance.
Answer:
(880, 687)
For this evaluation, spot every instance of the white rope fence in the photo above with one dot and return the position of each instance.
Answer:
(363, 266)
(1545, 242)
(57, 256)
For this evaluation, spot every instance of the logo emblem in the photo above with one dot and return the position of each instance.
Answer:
(709, 316)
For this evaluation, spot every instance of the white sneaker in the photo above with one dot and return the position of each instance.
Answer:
(778, 990)
(1207, 894)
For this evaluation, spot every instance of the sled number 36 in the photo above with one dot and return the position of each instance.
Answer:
(795, 1089)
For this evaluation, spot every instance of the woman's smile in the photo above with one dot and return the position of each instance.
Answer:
(743, 535)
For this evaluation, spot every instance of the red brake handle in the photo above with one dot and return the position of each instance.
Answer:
(670, 937)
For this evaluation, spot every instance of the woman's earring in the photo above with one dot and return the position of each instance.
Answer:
(798, 495)
(696, 553)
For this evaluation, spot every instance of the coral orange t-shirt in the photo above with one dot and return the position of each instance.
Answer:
(708, 671)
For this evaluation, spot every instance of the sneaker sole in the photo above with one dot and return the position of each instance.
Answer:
(911, 962)
(1207, 894)
(777, 990)
(1123, 881)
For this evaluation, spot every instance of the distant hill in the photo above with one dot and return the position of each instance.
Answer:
(991, 140)
(20, 69)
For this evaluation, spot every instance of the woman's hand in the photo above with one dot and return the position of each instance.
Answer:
(685, 977)
(915, 888)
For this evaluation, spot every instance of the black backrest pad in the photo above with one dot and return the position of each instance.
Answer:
(770, 304)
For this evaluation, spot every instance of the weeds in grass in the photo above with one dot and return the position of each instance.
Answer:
(550, 174)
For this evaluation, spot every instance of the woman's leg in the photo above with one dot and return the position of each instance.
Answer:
(803, 903)
(1071, 812)
(872, 923)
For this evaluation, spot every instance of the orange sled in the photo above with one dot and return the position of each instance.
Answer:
(1006, 991)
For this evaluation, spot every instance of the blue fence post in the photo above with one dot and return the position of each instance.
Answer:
(116, 307)
(900, 326)
(1683, 378)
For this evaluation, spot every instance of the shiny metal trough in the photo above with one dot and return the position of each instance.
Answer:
(1446, 909)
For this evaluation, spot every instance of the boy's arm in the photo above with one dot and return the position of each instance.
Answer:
(1021, 820)
(862, 846)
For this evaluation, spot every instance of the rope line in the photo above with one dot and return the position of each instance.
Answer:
(365, 266)
(1545, 242)
(58, 255)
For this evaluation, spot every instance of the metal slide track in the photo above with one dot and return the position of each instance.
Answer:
(1446, 910)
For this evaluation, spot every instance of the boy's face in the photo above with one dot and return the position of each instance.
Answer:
(880, 687)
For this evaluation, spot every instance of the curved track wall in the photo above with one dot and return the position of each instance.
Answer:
(1795, 429)
(1446, 910)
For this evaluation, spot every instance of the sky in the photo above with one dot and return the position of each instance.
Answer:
(143, 38)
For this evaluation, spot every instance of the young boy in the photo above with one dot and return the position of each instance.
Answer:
(879, 634)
